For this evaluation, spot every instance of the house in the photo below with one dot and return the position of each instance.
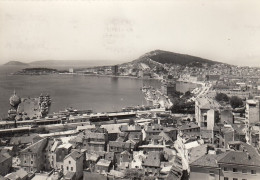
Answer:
(77, 142)
(70, 176)
(95, 141)
(205, 167)
(112, 131)
(125, 156)
(151, 164)
(61, 152)
(50, 153)
(91, 160)
(5, 163)
(118, 147)
(154, 129)
(242, 161)
(73, 162)
(19, 175)
(138, 157)
(103, 166)
(252, 112)
(134, 131)
(189, 127)
(239, 165)
(32, 158)
(206, 109)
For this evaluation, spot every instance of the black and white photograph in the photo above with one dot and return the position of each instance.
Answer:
(129, 90)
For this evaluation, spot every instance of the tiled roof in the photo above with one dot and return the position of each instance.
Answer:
(36, 147)
(25, 139)
(119, 144)
(103, 162)
(70, 175)
(208, 160)
(93, 135)
(4, 157)
(74, 154)
(131, 128)
(240, 158)
(189, 126)
(152, 159)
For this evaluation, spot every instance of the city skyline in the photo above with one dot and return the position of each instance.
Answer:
(224, 31)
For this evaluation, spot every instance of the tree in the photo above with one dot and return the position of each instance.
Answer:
(222, 97)
(235, 102)
(131, 122)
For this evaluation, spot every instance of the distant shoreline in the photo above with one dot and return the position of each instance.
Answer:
(104, 75)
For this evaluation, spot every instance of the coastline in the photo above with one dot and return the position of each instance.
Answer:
(107, 75)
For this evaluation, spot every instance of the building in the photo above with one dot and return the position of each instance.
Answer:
(71, 70)
(95, 141)
(103, 166)
(118, 147)
(152, 163)
(240, 162)
(73, 163)
(169, 88)
(206, 112)
(205, 167)
(5, 163)
(115, 70)
(61, 152)
(252, 111)
(32, 158)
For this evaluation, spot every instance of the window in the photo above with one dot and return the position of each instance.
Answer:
(225, 169)
(235, 179)
(253, 171)
(61, 166)
(24, 161)
(31, 162)
(67, 167)
(234, 169)
(244, 179)
(69, 162)
(71, 168)
(244, 171)
(225, 178)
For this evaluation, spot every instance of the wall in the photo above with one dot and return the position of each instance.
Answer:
(198, 173)
(239, 175)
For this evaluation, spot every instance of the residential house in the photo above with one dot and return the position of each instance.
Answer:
(95, 141)
(252, 113)
(103, 166)
(205, 167)
(73, 162)
(32, 158)
(240, 162)
(5, 163)
(151, 164)
(206, 112)
(138, 157)
(118, 147)
(61, 152)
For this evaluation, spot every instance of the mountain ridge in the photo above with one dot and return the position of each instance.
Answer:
(154, 58)
(167, 57)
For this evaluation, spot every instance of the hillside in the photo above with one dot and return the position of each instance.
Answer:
(166, 57)
(16, 63)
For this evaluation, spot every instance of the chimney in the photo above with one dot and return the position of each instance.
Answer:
(248, 156)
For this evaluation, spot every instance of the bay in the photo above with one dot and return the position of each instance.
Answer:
(98, 93)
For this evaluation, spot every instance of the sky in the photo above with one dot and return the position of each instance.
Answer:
(226, 31)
